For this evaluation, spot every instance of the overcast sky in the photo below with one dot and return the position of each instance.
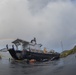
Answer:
(50, 21)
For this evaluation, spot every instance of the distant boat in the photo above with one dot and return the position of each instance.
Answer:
(30, 50)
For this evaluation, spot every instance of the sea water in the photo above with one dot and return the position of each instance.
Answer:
(63, 66)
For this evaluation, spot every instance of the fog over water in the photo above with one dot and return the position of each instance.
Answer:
(50, 21)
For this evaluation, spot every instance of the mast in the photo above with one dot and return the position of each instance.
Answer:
(62, 46)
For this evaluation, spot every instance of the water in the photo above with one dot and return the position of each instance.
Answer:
(66, 66)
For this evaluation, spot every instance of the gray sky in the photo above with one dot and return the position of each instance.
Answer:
(50, 21)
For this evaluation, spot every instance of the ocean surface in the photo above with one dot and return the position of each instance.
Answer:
(64, 66)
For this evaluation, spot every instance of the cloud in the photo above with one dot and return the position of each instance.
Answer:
(50, 21)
